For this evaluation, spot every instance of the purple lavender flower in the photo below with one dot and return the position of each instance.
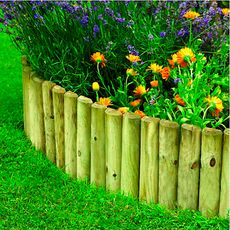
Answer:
(120, 20)
(84, 21)
(177, 80)
(37, 16)
(183, 32)
(130, 23)
(132, 50)
(109, 12)
(100, 17)
(162, 34)
(96, 28)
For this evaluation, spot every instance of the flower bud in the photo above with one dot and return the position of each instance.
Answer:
(95, 86)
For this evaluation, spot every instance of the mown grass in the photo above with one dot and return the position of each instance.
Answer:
(34, 194)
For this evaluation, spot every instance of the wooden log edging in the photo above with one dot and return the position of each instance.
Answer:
(148, 158)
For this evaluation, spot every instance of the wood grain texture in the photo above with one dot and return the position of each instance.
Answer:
(113, 148)
(130, 154)
(98, 170)
(188, 171)
(70, 127)
(168, 163)
(225, 177)
(211, 149)
(58, 106)
(83, 137)
(49, 120)
(149, 159)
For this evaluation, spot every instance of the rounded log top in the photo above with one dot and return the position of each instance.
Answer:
(37, 79)
(132, 116)
(169, 124)
(227, 132)
(58, 89)
(98, 106)
(70, 94)
(113, 112)
(212, 131)
(85, 100)
(150, 119)
(190, 127)
(48, 83)
(33, 74)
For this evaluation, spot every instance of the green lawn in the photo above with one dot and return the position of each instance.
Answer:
(34, 194)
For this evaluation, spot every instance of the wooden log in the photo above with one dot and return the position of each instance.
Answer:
(188, 171)
(211, 148)
(113, 149)
(58, 106)
(130, 154)
(70, 121)
(49, 120)
(149, 159)
(26, 71)
(83, 137)
(225, 185)
(37, 130)
(98, 173)
(168, 163)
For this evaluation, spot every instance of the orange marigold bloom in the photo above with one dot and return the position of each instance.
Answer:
(154, 83)
(225, 11)
(98, 58)
(123, 109)
(140, 90)
(104, 101)
(140, 113)
(131, 72)
(165, 73)
(155, 68)
(135, 102)
(173, 62)
(218, 104)
(184, 56)
(179, 100)
(191, 14)
(133, 58)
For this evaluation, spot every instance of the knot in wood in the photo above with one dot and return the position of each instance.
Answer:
(213, 162)
(79, 153)
(195, 165)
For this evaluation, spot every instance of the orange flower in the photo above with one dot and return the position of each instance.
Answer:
(191, 15)
(154, 83)
(123, 109)
(140, 90)
(95, 86)
(154, 68)
(98, 58)
(225, 11)
(190, 82)
(173, 62)
(184, 56)
(133, 58)
(104, 101)
(217, 102)
(135, 102)
(165, 73)
(179, 100)
(131, 72)
(140, 113)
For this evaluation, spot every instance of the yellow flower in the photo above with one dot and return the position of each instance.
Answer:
(154, 83)
(184, 56)
(135, 102)
(104, 101)
(98, 58)
(123, 109)
(95, 86)
(133, 58)
(217, 102)
(140, 113)
(191, 15)
(139, 90)
(154, 68)
(173, 62)
(131, 72)
(225, 11)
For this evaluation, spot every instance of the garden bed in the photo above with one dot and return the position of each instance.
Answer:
(152, 159)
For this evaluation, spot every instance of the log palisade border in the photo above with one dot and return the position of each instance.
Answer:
(154, 160)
